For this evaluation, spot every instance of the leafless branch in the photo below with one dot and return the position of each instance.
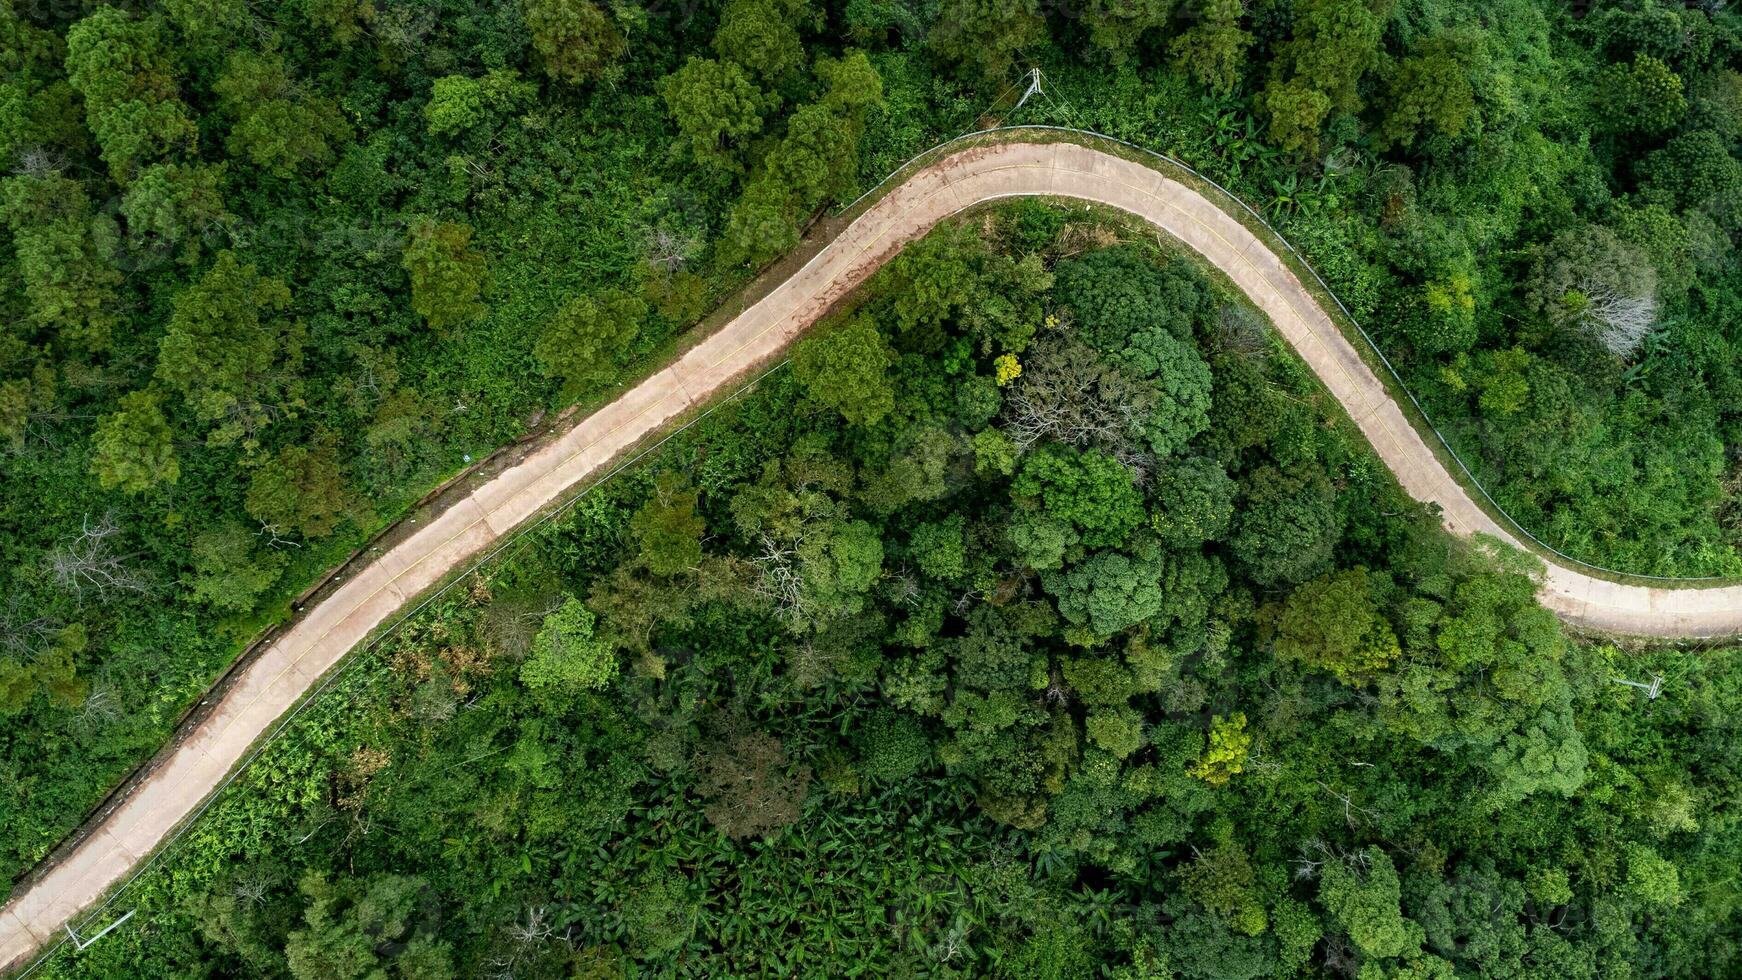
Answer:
(91, 563)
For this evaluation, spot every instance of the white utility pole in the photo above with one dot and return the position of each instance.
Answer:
(85, 943)
(1651, 690)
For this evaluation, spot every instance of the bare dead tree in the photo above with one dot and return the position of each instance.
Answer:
(669, 249)
(24, 637)
(101, 708)
(1317, 853)
(1350, 808)
(1621, 320)
(39, 161)
(537, 928)
(1241, 331)
(92, 563)
(780, 582)
(1066, 394)
(903, 588)
(272, 534)
(251, 887)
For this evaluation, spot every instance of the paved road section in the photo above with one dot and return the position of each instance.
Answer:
(283, 673)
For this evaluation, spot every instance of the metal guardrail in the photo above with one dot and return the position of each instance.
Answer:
(1469, 476)
(517, 537)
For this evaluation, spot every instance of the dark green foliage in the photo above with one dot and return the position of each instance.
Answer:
(232, 352)
(1147, 759)
(447, 274)
(1422, 158)
(846, 367)
(574, 40)
(1287, 525)
(585, 343)
(1117, 293)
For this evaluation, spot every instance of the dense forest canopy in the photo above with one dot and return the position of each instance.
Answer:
(983, 641)
(271, 271)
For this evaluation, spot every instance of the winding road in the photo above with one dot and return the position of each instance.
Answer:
(284, 672)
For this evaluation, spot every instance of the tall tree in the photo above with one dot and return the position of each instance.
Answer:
(124, 68)
(232, 351)
(717, 107)
(575, 40)
(447, 274)
(277, 124)
(68, 278)
(982, 37)
(132, 447)
(587, 340)
(845, 366)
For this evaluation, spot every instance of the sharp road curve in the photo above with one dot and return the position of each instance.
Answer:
(276, 680)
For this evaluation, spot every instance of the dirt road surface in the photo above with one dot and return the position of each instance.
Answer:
(283, 673)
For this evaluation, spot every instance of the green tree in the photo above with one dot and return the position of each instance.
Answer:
(763, 224)
(567, 655)
(1644, 97)
(816, 158)
(1181, 381)
(357, 929)
(1111, 591)
(342, 20)
(1117, 26)
(1214, 46)
(660, 916)
(1430, 89)
(668, 528)
(276, 125)
(1444, 321)
(586, 342)
(458, 103)
(231, 352)
(20, 399)
(123, 67)
(1318, 69)
(1335, 624)
(1194, 498)
(839, 564)
(1651, 879)
(1116, 731)
(1115, 294)
(762, 36)
(939, 550)
(892, 747)
(68, 280)
(52, 670)
(1296, 112)
(1287, 525)
(1363, 897)
(1694, 170)
(718, 109)
(1225, 755)
(229, 573)
(1223, 880)
(301, 489)
(1041, 541)
(447, 274)
(574, 40)
(1089, 489)
(845, 366)
(176, 205)
(133, 447)
(982, 37)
